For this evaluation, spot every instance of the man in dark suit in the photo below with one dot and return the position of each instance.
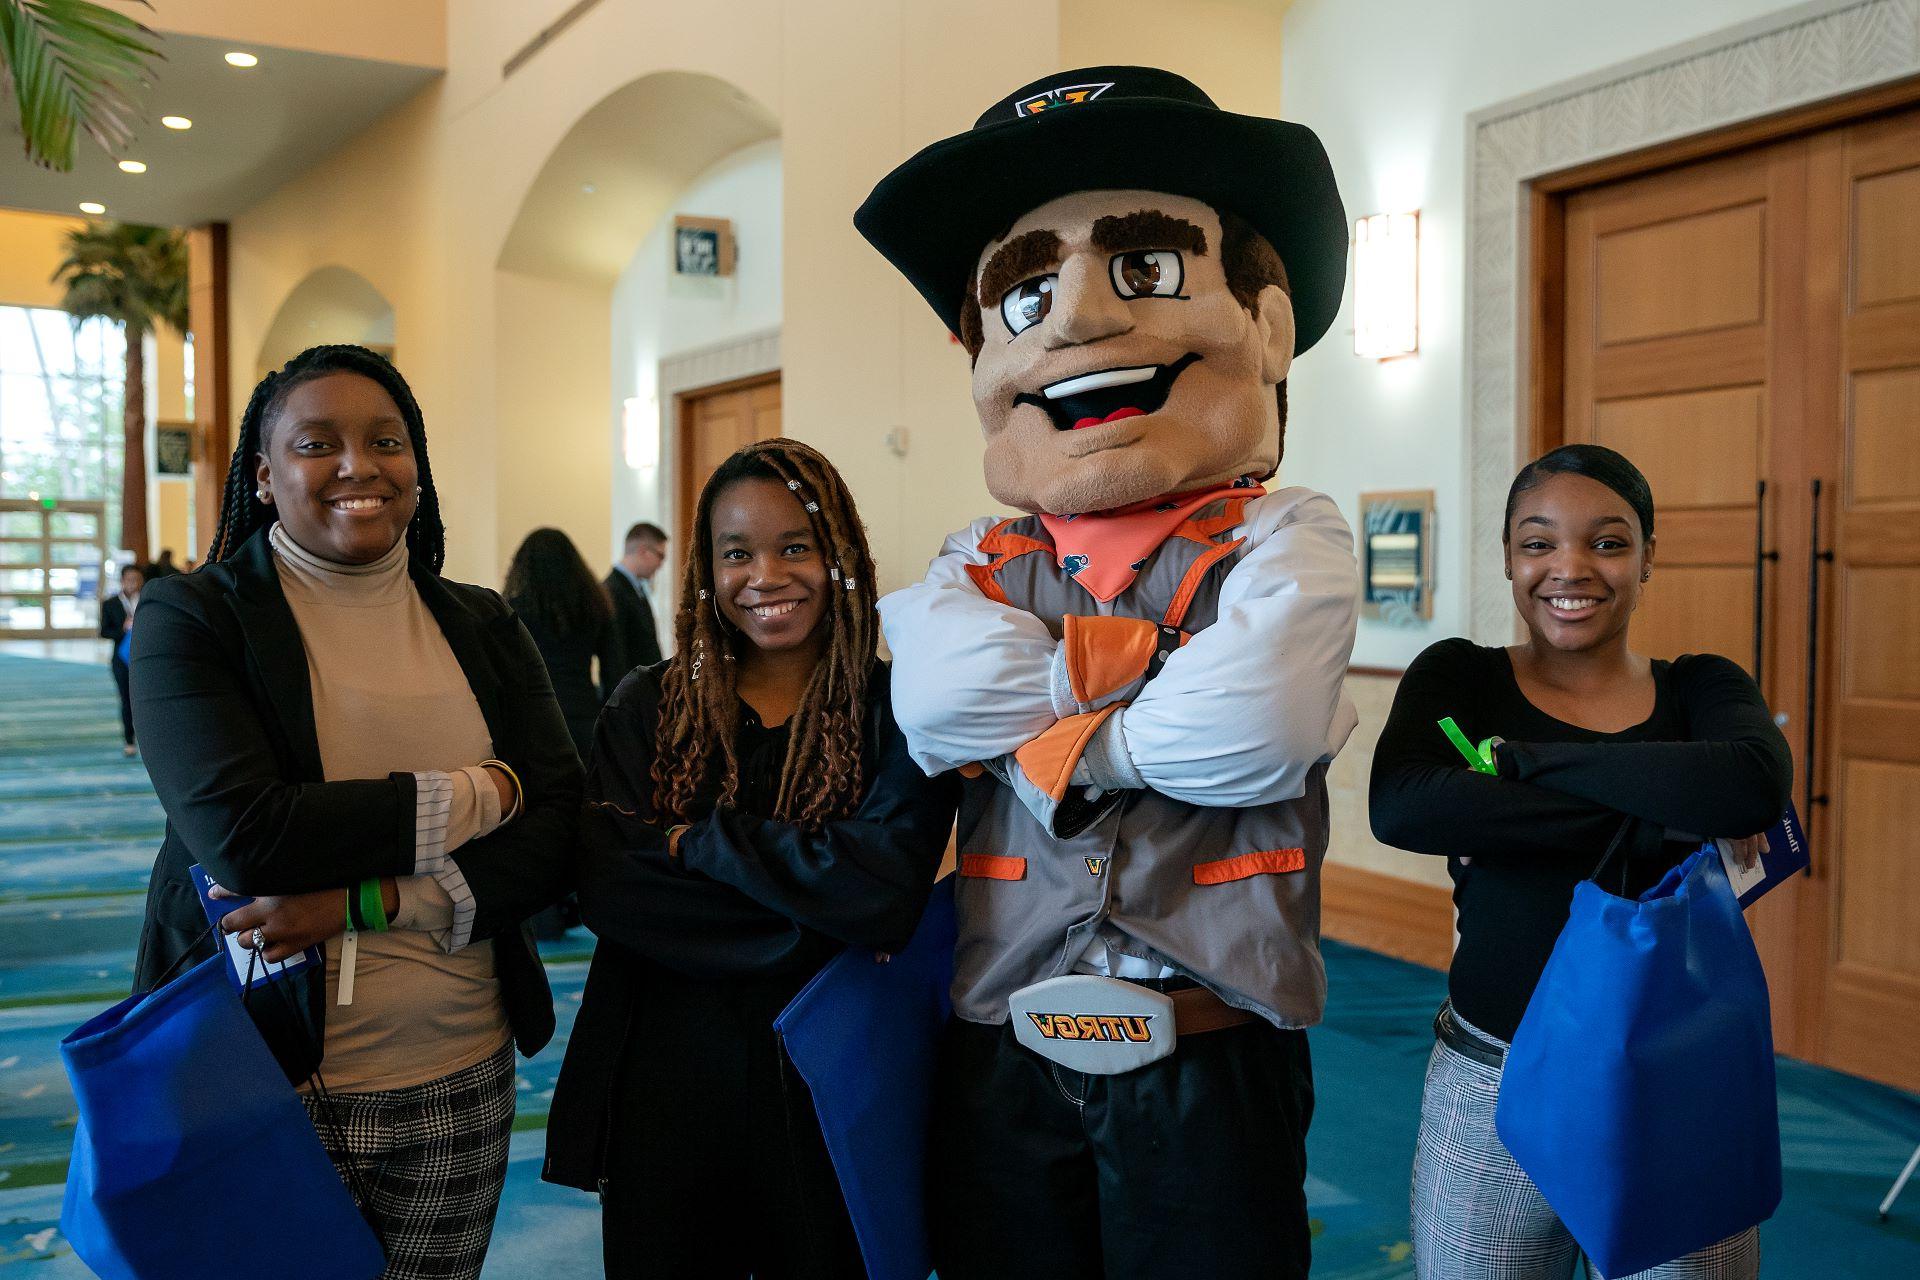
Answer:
(636, 643)
(116, 624)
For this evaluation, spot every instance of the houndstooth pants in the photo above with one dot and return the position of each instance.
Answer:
(1477, 1216)
(431, 1160)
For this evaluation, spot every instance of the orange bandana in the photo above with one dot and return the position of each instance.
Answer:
(1104, 550)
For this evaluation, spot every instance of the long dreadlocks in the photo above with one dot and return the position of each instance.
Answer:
(699, 709)
(241, 511)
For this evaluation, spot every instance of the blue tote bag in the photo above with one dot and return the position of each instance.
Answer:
(193, 1157)
(1639, 1091)
(863, 1034)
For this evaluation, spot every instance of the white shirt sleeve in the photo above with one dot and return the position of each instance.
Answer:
(1239, 714)
(973, 679)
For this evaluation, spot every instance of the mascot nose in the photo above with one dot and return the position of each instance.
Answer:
(1085, 307)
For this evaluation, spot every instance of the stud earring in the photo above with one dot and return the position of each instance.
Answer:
(417, 491)
(265, 498)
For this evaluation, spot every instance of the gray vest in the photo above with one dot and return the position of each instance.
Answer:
(1230, 897)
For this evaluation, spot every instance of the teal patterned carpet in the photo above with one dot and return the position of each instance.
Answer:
(79, 826)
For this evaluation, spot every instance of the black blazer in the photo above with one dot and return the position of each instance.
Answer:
(222, 705)
(113, 620)
(636, 642)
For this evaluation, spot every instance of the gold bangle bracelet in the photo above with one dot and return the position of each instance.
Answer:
(519, 792)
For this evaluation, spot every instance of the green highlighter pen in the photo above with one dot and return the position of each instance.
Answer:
(1479, 759)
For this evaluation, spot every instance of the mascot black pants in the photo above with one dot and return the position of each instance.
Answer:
(1192, 1166)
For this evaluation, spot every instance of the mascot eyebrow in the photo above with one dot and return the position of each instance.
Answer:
(1029, 254)
(1147, 229)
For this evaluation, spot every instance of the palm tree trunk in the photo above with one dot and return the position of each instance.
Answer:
(133, 475)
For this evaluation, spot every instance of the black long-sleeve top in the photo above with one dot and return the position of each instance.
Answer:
(726, 934)
(1708, 762)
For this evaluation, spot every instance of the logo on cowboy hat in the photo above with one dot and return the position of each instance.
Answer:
(1066, 96)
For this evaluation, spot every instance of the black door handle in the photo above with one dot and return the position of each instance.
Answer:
(1815, 556)
(1760, 558)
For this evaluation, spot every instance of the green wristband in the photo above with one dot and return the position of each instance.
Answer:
(373, 906)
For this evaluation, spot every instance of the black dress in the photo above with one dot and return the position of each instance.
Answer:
(676, 1100)
(569, 656)
(1708, 762)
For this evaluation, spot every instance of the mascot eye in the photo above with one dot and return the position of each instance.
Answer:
(1027, 303)
(1148, 273)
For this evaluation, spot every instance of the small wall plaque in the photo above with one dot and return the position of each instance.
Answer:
(1396, 556)
(702, 246)
(173, 448)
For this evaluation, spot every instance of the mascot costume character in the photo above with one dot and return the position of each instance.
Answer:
(1141, 677)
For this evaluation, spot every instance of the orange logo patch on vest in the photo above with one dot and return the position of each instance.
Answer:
(1071, 95)
(1094, 865)
(1086, 1026)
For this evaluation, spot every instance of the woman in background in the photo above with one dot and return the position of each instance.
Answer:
(567, 613)
(1590, 737)
(752, 811)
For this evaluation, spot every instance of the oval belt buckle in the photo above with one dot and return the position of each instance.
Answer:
(1085, 1022)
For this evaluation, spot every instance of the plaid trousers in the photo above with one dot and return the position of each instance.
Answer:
(431, 1160)
(1476, 1214)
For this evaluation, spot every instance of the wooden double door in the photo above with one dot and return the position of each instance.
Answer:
(1747, 329)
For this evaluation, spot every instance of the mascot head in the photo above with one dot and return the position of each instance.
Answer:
(1132, 270)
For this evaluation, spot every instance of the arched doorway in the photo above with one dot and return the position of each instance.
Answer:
(585, 315)
(333, 304)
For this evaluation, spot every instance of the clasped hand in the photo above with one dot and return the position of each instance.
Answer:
(287, 924)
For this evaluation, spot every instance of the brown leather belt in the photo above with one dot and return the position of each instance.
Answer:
(1197, 1010)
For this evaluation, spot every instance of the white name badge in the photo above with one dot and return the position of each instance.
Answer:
(1098, 1025)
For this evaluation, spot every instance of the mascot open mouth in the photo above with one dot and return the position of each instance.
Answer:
(1107, 395)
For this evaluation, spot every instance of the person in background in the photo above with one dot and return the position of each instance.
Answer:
(630, 586)
(164, 566)
(752, 810)
(1590, 737)
(373, 754)
(116, 624)
(570, 619)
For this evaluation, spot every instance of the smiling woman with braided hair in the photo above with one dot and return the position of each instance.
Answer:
(374, 755)
(751, 811)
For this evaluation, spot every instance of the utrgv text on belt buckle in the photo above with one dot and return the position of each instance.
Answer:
(1098, 1025)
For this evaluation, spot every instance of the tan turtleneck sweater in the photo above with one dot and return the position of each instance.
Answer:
(390, 697)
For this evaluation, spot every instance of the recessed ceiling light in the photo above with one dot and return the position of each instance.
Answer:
(176, 122)
(588, 188)
(92, 206)
(133, 166)
(239, 59)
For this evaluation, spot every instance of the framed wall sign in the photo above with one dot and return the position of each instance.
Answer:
(173, 448)
(702, 246)
(1396, 556)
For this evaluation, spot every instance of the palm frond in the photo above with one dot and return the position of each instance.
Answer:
(72, 65)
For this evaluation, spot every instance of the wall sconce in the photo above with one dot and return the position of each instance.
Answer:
(1386, 285)
(640, 431)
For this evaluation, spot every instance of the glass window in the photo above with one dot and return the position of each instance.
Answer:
(61, 391)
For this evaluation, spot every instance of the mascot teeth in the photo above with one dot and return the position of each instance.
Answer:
(1100, 380)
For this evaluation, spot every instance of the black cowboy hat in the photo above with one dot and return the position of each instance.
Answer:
(1107, 128)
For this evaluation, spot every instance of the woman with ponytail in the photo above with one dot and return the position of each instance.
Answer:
(751, 811)
(373, 755)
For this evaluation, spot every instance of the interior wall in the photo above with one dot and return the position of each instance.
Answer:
(551, 414)
(31, 246)
(657, 313)
(1230, 48)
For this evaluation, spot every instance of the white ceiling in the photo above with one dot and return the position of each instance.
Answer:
(252, 131)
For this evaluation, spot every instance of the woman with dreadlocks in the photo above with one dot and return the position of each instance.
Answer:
(751, 810)
(374, 755)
